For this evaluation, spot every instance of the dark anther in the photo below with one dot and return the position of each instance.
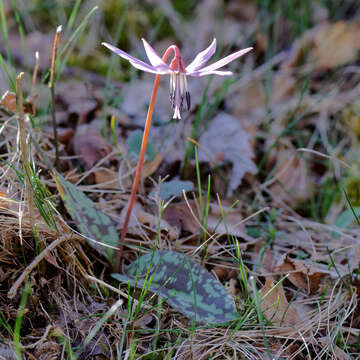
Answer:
(172, 100)
(188, 100)
(181, 102)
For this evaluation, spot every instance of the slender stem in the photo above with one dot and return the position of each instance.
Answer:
(138, 171)
(140, 162)
(52, 93)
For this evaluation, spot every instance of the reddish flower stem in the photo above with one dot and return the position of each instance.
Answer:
(140, 162)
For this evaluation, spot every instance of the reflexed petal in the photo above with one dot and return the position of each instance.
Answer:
(202, 57)
(134, 61)
(210, 72)
(154, 58)
(224, 61)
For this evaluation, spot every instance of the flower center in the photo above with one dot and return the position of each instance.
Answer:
(178, 83)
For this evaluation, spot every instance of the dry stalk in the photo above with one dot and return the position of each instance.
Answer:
(36, 69)
(12, 292)
(23, 148)
(52, 93)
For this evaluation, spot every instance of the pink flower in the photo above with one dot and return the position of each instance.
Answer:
(177, 70)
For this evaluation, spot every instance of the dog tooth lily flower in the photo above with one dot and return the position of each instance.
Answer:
(177, 70)
(178, 88)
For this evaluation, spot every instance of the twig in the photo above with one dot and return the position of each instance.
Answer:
(23, 148)
(12, 292)
(52, 93)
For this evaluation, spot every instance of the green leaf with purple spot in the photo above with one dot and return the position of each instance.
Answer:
(92, 222)
(184, 285)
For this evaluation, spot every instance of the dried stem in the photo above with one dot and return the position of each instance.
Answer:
(36, 69)
(140, 164)
(52, 93)
(12, 292)
(23, 148)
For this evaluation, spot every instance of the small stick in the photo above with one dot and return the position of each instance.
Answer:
(23, 148)
(52, 93)
(36, 69)
(12, 292)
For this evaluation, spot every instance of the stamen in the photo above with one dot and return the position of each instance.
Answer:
(181, 102)
(187, 94)
(182, 84)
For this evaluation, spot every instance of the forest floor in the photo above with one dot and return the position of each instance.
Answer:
(244, 240)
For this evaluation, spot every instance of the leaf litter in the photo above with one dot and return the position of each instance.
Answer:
(261, 115)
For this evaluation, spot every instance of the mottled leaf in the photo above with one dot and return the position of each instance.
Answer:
(173, 188)
(345, 219)
(92, 223)
(184, 285)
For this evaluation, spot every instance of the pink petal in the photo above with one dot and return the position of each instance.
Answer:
(134, 61)
(224, 61)
(154, 58)
(210, 72)
(202, 57)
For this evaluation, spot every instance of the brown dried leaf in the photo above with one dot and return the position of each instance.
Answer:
(226, 136)
(107, 179)
(150, 167)
(351, 117)
(77, 96)
(140, 216)
(8, 101)
(275, 306)
(182, 218)
(300, 274)
(292, 184)
(90, 146)
(253, 96)
(65, 135)
(179, 216)
(330, 45)
(339, 353)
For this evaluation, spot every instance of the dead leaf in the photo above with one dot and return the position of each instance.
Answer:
(340, 354)
(78, 97)
(150, 167)
(107, 179)
(301, 275)
(89, 146)
(65, 135)
(226, 136)
(8, 101)
(243, 99)
(351, 117)
(292, 185)
(181, 217)
(275, 306)
(264, 263)
(330, 45)
(140, 216)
